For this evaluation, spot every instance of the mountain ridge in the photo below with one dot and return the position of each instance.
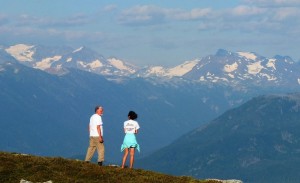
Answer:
(260, 137)
(230, 68)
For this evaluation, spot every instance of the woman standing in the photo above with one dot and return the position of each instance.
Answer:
(130, 144)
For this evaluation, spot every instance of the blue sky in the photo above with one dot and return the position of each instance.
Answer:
(164, 32)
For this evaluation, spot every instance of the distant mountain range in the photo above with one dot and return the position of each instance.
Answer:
(230, 68)
(258, 142)
(36, 105)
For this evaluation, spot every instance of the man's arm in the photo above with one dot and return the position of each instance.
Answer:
(100, 134)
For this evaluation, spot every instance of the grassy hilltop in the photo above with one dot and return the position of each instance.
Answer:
(15, 167)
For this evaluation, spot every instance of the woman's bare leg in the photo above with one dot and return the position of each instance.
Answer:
(131, 157)
(124, 157)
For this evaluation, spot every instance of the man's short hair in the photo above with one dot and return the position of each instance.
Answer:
(97, 107)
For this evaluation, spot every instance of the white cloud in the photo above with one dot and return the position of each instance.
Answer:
(149, 14)
(273, 3)
(74, 20)
(259, 19)
(110, 7)
(146, 14)
(194, 14)
(248, 17)
(287, 13)
(248, 10)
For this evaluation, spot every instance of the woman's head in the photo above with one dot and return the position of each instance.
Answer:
(132, 115)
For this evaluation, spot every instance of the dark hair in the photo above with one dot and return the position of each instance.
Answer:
(97, 107)
(132, 115)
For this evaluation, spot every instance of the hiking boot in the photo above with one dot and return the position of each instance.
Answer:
(100, 163)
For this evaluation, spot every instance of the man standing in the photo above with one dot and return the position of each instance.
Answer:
(96, 136)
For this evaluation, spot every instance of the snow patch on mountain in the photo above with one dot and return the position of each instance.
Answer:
(69, 59)
(46, 62)
(95, 64)
(16, 70)
(21, 52)
(231, 68)
(248, 55)
(92, 65)
(271, 63)
(77, 50)
(182, 69)
(231, 76)
(156, 70)
(119, 64)
(269, 78)
(179, 70)
(255, 68)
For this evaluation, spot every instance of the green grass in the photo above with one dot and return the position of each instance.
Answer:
(14, 167)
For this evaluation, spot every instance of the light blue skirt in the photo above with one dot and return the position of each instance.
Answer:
(130, 142)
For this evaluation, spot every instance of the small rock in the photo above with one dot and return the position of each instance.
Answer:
(26, 181)
(227, 181)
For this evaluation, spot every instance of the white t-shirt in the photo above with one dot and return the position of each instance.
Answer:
(95, 120)
(130, 126)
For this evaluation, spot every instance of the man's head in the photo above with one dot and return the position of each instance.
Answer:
(99, 110)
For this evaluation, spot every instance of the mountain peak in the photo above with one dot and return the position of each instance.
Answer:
(279, 57)
(222, 53)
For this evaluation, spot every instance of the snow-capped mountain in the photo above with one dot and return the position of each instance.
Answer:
(234, 68)
(245, 68)
(230, 68)
(177, 71)
(57, 60)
